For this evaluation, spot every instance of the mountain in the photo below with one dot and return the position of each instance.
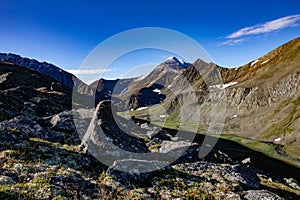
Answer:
(263, 98)
(105, 89)
(48, 69)
(81, 92)
(147, 90)
(25, 92)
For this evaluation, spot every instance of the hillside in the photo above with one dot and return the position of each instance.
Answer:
(262, 98)
(48, 69)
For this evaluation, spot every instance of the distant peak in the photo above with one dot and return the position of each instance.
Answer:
(175, 62)
(172, 58)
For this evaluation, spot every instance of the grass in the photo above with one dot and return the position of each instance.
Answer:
(67, 147)
(268, 149)
(292, 150)
(283, 126)
(277, 186)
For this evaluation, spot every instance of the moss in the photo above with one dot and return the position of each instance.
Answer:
(155, 147)
(277, 186)
(40, 181)
(194, 193)
(59, 197)
(16, 132)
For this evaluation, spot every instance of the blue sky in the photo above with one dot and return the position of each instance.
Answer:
(64, 32)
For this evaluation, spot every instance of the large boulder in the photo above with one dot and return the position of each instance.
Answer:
(63, 122)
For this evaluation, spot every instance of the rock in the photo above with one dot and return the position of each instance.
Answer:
(56, 87)
(293, 183)
(4, 115)
(6, 136)
(136, 172)
(160, 134)
(63, 122)
(107, 142)
(5, 180)
(245, 176)
(180, 151)
(25, 127)
(260, 195)
(168, 146)
(30, 107)
(246, 161)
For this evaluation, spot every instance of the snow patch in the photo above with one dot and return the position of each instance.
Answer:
(223, 86)
(234, 116)
(176, 59)
(277, 139)
(163, 116)
(182, 61)
(254, 62)
(171, 58)
(156, 90)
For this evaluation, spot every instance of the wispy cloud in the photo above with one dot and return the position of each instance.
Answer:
(231, 42)
(262, 28)
(267, 27)
(87, 71)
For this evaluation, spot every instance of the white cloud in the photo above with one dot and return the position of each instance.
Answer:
(266, 27)
(87, 71)
(231, 42)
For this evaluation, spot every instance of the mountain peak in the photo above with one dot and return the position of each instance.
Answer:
(175, 63)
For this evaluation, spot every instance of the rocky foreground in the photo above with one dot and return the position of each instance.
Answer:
(44, 158)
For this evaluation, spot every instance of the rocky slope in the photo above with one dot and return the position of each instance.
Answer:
(106, 89)
(146, 90)
(262, 96)
(82, 92)
(45, 155)
(48, 69)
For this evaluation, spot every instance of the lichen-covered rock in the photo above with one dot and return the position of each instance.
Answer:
(293, 183)
(25, 126)
(63, 122)
(6, 180)
(260, 195)
(136, 172)
(245, 176)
